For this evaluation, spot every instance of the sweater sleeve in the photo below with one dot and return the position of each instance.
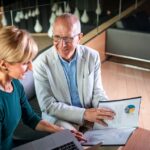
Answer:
(1, 120)
(29, 117)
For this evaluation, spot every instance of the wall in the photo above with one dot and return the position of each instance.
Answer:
(129, 44)
(98, 43)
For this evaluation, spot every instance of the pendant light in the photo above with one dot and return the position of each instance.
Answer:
(37, 12)
(98, 9)
(59, 11)
(38, 26)
(21, 15)
(26, 16)
(54, 7)
(76, 11)
(50, 31)
(67, 8)
(29, 13)
(17, 17)
(51, 21)
(33, 13)
(85, 17)
(52, 18)
(4, 20)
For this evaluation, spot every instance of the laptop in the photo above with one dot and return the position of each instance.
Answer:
(63, 140)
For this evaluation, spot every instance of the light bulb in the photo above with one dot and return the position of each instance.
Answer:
(98, 9)
(17, 17)
(77, 13)
(84, 17)
(4, 20)
(37, 12)
(59, 11)
(50, 31)
(52, 18)
(26, 16)
(21, 15)
(54, 7)
(67, 8)
(37, 27)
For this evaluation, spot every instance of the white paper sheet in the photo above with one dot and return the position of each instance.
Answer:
(127, 113)
(108, 136)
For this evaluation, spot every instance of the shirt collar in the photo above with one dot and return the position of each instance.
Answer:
(72, 60)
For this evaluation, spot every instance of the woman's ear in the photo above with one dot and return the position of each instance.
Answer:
(3, 65)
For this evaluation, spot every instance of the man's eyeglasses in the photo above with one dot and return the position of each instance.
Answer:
(57, 38)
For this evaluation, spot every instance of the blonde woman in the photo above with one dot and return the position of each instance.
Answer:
(17, 49)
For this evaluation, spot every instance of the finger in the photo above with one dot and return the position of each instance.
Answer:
(102, 122)
(104, 117)
(105, 109)
(106, 112)
(79, 135)
(81, 138)
(103, 113)
(77, 132)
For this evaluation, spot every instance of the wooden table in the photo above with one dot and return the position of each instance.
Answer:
(139, 140)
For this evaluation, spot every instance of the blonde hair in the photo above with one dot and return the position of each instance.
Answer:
(16, 45)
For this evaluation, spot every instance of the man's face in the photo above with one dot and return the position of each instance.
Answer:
(65, 40)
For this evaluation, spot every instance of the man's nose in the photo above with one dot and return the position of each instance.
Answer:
(62, 42)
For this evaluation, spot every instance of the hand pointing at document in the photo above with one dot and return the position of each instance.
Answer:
(98, 115)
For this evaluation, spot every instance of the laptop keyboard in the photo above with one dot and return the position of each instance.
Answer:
(68, 146)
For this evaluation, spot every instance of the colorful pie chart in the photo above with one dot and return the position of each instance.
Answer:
(130, 109)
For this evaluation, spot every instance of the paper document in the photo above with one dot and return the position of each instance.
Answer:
(108, 136)
(120, 128)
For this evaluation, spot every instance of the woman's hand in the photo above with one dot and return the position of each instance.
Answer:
(78, 135)
(44, 125)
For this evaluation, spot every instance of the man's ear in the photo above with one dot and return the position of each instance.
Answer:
(80, 36)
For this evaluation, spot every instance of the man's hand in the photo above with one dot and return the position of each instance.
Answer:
(99, 115)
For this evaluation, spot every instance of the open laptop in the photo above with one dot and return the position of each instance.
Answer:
(63, 140)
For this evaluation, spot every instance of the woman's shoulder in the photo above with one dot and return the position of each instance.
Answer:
(16, 82)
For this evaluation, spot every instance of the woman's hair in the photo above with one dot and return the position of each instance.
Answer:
(16, 45)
